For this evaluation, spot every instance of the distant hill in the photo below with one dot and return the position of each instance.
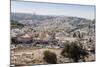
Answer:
(65, 23)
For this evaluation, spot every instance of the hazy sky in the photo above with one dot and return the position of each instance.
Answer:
(87, 11)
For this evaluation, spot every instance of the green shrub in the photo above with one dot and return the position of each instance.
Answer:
(74, 51)
(50, 57)
(16, 24)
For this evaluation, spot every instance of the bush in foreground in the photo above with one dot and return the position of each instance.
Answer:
(74, 51)
(50, 57)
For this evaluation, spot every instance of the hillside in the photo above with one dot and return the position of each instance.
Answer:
(32, 35)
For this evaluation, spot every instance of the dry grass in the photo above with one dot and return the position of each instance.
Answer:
(34, 56)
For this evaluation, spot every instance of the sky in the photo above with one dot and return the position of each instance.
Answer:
(83, 11)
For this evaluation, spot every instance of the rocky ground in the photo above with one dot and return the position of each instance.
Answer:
(22, 56)
(65, 29)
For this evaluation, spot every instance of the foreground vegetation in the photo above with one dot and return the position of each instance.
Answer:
(74, 51)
